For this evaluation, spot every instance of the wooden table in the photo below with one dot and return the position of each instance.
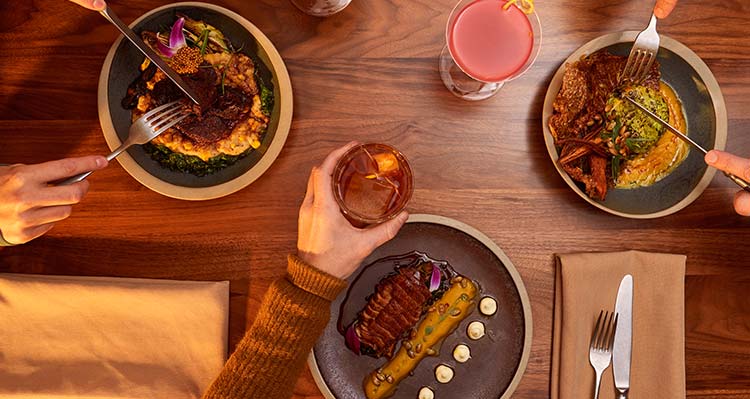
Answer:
(370, 73)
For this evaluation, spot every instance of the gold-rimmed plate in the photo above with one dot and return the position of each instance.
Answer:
(121, 68)
(706, 117)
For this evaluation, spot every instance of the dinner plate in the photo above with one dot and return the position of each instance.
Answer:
(706, 117)
(498, 360)
(121, 68)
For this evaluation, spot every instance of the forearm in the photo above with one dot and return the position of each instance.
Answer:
(268, 360)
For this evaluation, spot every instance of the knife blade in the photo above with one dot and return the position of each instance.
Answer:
(623, 344)
(739, 181)
(150, 53)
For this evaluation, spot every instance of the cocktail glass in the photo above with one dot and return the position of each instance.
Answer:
(487, 45)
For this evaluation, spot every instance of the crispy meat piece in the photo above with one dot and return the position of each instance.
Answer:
(393, 309)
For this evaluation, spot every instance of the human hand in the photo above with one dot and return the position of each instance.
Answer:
(737, 166)
(663, 8)
(326, 239)
(30, 206)
(96, 5)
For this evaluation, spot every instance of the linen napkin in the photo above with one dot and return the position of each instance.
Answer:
(100, 337)
(585, 284)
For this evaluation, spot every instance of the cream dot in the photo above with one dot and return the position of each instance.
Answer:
(488, 306)
(443, 374)
(426, 393)
(475, 330)
(461, 353)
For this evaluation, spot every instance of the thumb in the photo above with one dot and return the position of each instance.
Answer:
(96, 5)
(729, 163)
(384, 232)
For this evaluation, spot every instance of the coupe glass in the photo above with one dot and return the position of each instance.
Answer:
(321, 8)
(460, 81)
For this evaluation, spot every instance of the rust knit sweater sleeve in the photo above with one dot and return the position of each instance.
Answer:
(268, 360)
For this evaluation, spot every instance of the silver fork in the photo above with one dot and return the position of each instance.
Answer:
(143, 130)
(600, 350)
(642, 55)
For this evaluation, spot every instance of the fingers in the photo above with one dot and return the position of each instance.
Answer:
(96, 5)
(47, 215)
(60, 195)
(664, 7)
(742, 203)
(385, 232)
(323, 186)
(729, 163)
(62, 168)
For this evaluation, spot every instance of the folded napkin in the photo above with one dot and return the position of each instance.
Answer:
(99, 337)
(587, 283)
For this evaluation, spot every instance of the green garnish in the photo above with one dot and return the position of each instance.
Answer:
(616, 166)
(204, 39)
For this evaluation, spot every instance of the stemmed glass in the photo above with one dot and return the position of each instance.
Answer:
(483, 51)
(321, 8)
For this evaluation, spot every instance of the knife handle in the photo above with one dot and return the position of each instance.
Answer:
(622, 393)
(742, 183)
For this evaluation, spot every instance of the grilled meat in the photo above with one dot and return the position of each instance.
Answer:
(394, 308)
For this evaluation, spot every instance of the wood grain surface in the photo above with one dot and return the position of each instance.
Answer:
(370, 73)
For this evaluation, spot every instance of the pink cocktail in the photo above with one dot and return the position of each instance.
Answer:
(489, 42)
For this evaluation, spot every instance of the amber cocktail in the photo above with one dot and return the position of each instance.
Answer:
(372, 183)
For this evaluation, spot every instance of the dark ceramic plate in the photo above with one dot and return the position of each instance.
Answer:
(121, 68)
(706, 117)
(498, 360)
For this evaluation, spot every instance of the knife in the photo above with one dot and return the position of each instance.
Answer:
(740, 182)
(623, 336)
(150, 53)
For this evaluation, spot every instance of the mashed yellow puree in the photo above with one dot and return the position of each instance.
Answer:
(667, 154)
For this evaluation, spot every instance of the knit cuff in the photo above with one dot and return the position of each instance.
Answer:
(312, 280)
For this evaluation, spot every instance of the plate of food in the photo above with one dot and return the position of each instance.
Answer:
(614, 156)
(245, 90)
(439, 311)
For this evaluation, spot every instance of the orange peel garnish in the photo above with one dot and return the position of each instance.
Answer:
(527, 6)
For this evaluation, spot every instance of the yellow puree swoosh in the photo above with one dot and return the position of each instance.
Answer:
(667, 154)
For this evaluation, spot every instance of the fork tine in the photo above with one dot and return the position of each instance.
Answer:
(159, 109)
(171, 123)
(605, 330)
(594, 335)
(649, 64)
(641, 72)
(158, 120)
(611, 340)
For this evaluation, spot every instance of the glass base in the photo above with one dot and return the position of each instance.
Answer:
(321, 8)
(462, 85)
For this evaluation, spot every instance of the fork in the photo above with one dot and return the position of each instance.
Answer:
(143, 130)
(602, 340)
(642, 55)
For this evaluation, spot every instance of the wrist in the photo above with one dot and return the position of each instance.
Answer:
(312, 279)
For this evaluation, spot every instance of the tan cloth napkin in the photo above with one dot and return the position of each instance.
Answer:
(99, 337)
(587, 283)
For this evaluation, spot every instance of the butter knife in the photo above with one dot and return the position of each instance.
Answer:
(740, 182)
(622, 351)
(150, 53)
